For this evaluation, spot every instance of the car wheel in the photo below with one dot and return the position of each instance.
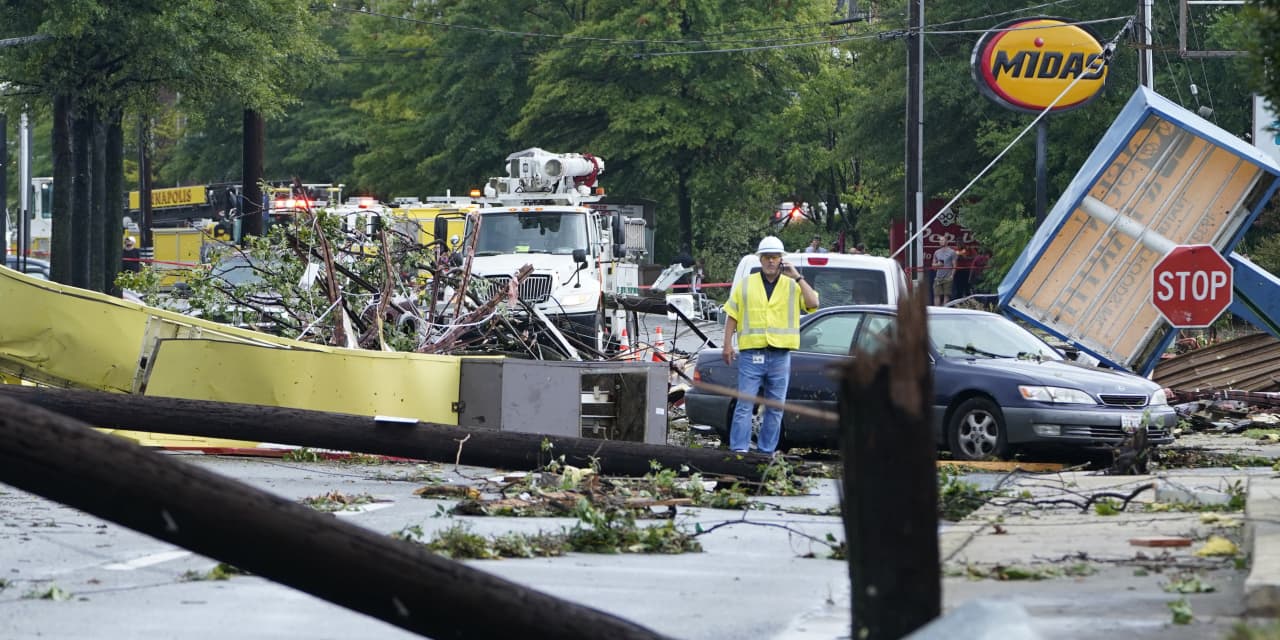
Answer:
(977, 431)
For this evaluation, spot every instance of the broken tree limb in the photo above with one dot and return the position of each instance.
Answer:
(768, 402)
(346, 432)
(395, 581)
(890, 481)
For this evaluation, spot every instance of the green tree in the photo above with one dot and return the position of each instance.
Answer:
(101, 59)
(663, 100)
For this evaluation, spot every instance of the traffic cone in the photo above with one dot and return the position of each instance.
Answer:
(658, 347)
(624, 346)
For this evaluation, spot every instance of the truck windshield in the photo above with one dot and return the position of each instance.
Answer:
(559, 233)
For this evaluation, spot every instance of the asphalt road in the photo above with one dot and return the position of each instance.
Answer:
(752, 580)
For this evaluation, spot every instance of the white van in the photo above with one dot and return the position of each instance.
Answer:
(841, 278)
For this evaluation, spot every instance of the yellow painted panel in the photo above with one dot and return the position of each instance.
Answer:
(343, 380)
(171, 197)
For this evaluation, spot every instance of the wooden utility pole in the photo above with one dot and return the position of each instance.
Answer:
(890, 481)
(345, 432)
(395, 581)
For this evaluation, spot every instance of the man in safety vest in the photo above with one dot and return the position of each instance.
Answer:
(764, 310)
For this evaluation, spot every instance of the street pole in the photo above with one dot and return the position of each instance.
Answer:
(1042, 170)
(915, 136)
(1146, 70)
(24, 190)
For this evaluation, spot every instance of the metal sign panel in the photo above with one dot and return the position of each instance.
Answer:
(1161, 176)
(1266, 127)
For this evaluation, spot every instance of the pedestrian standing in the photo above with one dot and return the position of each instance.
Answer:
(815, 245)
(944, 269)
(764, 310)
(131, 257)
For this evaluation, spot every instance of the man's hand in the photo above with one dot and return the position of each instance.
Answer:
(789, 270)
(728, 353)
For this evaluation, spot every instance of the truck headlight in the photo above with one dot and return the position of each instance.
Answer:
(1159, 398)
(1056, 395)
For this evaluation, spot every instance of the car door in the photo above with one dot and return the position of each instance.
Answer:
(824, 345)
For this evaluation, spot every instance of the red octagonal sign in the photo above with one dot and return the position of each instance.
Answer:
(1191, 285)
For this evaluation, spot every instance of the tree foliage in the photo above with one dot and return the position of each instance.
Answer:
(715, 110)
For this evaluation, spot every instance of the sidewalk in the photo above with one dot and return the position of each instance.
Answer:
(1033, 565)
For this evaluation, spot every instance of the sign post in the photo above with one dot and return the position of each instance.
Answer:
(1191, 286)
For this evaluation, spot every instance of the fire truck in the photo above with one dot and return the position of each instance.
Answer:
(583, 259)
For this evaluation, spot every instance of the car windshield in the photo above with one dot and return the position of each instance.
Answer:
(559, 233)
(237, 271)
(985, 336)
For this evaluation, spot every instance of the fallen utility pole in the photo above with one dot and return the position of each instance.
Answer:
(392, 437)
(392, 580)
(890, 481)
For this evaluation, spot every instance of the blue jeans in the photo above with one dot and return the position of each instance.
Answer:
(760, 368)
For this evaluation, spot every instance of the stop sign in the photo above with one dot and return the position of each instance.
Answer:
(1191, 285)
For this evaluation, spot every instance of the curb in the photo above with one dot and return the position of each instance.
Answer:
(1262, 513)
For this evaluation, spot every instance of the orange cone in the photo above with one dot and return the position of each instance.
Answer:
(624, 346)
(658, 347)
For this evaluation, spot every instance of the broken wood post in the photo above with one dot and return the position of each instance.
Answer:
(364, 434)
(890, 481)
(392, 580)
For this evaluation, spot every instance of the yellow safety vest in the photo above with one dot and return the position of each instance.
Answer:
(766, 321)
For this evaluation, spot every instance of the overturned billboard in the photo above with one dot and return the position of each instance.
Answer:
(1161, 176)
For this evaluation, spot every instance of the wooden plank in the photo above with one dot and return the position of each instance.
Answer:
(1004, 465)
(484, 447)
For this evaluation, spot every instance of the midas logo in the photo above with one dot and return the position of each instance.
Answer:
(1031, 63)
(1028, 64)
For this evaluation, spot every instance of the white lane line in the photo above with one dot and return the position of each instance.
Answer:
(353, 510)
(146, 561)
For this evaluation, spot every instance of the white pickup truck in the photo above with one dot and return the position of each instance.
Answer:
(841, 278)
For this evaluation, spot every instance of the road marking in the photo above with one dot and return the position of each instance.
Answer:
(146, 561)
(358, 509)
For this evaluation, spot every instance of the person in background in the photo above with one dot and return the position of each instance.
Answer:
(978, 270)
(857, 249)
(815, 245)
(764, 310)
(131, 257)
(699, 273)
(944, 269)
(962, 282)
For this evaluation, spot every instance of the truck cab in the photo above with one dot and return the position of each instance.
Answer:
(538, 215)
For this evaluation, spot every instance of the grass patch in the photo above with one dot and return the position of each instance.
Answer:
(220, 571)
(337, 501)
(1019, 573)
(958, 498)
(1191, 458)
(597, 531)
(52, 592)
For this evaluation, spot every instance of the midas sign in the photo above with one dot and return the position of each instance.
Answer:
(172, 197)
(1025, 64)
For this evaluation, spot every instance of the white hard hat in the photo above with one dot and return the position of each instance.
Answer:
(770, 244)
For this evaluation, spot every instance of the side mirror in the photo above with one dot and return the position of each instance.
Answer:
(440, 228)
(454, 241)
(580, 256)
